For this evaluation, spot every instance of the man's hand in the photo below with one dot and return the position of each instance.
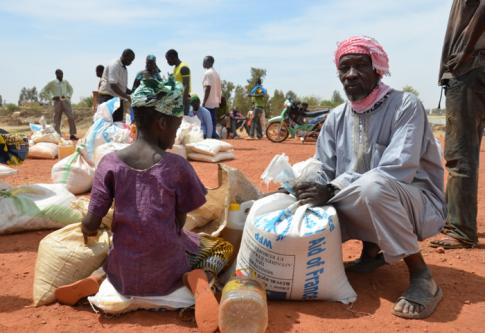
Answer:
(457, 60)
(312, 193)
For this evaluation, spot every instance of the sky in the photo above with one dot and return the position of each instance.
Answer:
(293, 40)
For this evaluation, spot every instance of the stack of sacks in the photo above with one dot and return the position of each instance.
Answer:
(104, 130)
(34, 207)
(44, 141)
(210, 150)
(75, 171)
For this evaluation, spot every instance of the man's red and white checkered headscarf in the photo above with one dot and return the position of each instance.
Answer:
(364, 45)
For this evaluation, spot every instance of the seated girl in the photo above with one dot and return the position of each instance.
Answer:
(153, 190)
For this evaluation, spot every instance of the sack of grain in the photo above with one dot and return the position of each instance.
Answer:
(63, 258)
(74, 171)
(219, 157)
(110, 301)
(296, 250)
(209, 147)
(43, 150)
(34, 207)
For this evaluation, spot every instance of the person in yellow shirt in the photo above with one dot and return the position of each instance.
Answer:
(181, 72)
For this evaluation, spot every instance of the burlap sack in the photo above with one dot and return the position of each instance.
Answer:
(63, 258)
(211, 218)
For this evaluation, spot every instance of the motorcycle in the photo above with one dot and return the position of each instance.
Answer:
(295, 120)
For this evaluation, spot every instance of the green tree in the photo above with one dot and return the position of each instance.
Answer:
(227, 88)
(256, 73)
(277, 102)
(86, 102)
(1, 100)
(410, 89)
(28, 95)
(312, 101)
(241, 101)
(336, 98)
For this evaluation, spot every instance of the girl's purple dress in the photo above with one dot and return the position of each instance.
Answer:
(149, 255)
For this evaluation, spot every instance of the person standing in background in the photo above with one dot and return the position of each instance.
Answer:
(151, 71)
(212, 91)
(181, 72)
(462, 73)
(99, 74)
(258, 94)
(114, 82)
(60, 92)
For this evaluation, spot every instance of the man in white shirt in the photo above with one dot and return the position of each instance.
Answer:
(114, 82)
(212, 91)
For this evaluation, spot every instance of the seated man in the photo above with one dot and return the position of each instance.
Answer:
(382, 172)
(237, 120)
(203, 114)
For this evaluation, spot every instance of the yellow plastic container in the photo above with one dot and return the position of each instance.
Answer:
(65, 150)
(243, 307)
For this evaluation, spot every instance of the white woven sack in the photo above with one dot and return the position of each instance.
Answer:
(296, 250)
(34, 207)
(105, 149)
(222, 156)
(74, 171)
(110, 301)
(209, 147)
(43, 150)
(6, 171)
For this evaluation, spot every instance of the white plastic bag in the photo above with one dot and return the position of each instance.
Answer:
(280, 171)
(38, 206)
(190, 131)
(6, 171)
(209, 147)
(44, 133)
(222, 156)
(105, 149)
(43, 150)
(104, 130)
(108, 300)
(74, 171)
(296, 250)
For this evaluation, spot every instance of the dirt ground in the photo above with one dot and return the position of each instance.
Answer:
(461, 274)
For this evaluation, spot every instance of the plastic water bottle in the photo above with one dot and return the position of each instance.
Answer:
(243, 307)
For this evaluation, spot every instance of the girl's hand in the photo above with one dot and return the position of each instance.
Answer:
(88, 233)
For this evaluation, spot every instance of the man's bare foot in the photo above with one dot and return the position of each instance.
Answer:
(420, 299)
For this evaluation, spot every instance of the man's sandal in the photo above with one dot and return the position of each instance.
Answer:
(450, 243)
(206, 305)
(415, 295)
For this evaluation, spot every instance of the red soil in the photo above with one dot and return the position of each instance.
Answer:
(461, 274)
